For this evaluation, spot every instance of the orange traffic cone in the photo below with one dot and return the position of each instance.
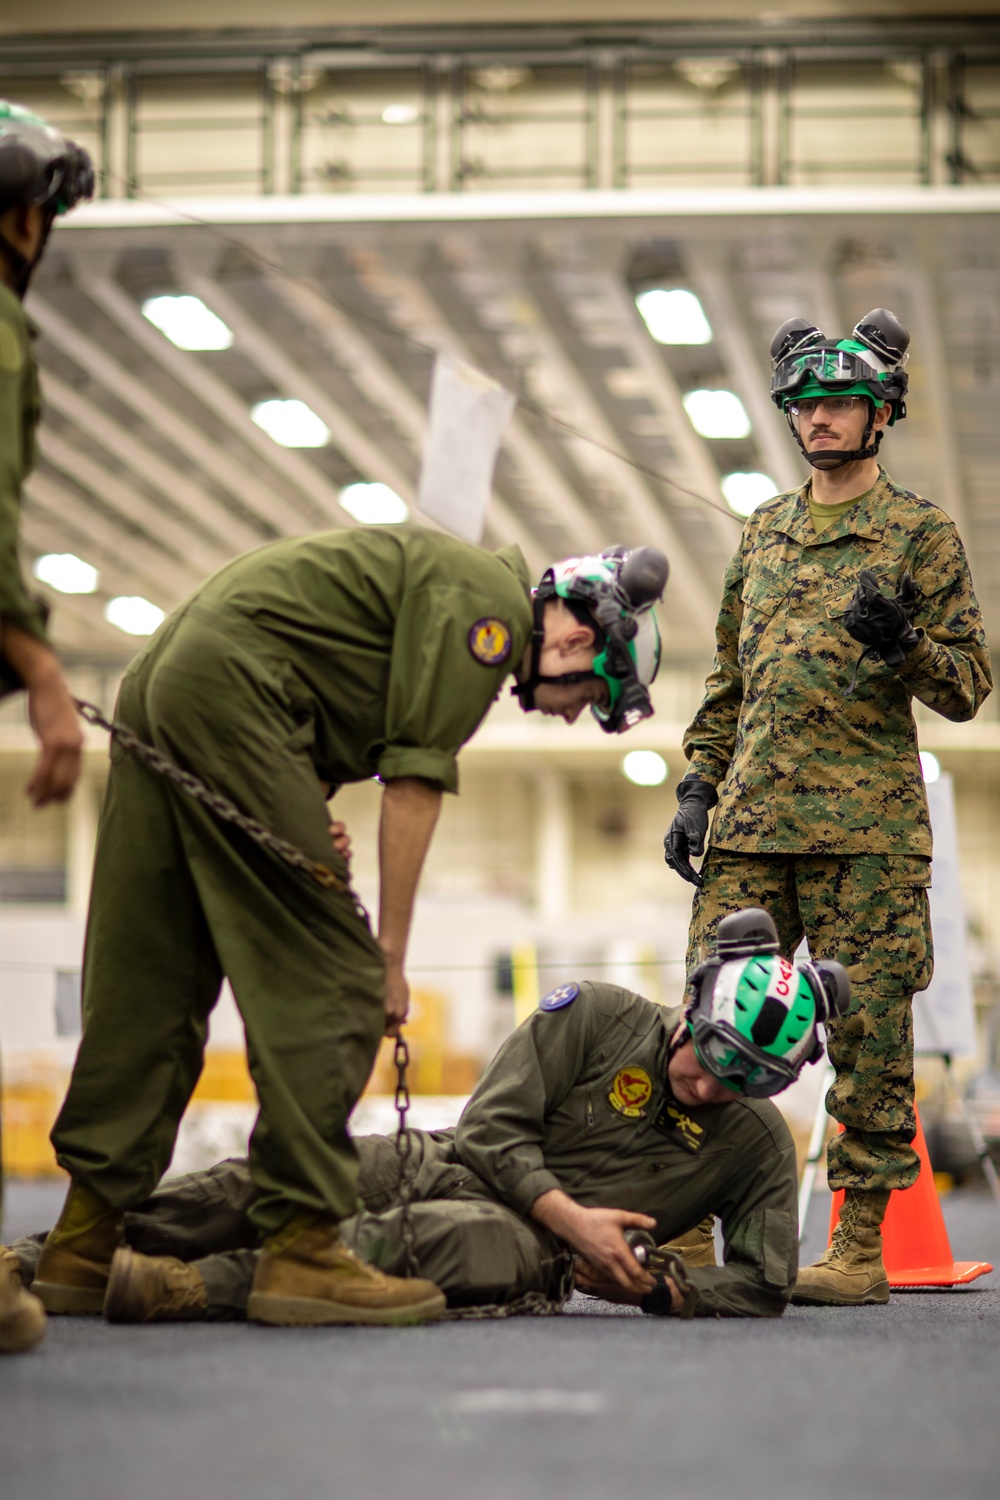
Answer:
(915, 1246)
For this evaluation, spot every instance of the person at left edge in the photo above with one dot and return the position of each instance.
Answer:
(41, 175)
(314, 660)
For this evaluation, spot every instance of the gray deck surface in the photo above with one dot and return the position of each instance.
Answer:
(823, 1404)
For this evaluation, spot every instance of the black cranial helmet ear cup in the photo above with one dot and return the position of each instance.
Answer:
(831, 988)
(794, 334)
(883, 333)
(743, 933)
(644, 575)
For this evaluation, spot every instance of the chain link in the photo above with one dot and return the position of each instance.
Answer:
(404, 1152)
(218, 804)
(528, 1305)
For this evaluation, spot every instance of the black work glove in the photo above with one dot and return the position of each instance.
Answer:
(686, 834)
(880, 622)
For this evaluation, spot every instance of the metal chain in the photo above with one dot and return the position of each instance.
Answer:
(222, 807)
(404, 1151)
(528, 1305)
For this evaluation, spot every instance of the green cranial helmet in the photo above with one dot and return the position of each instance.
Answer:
(806, 365)
(614, 592)
(755, 1018)
(38, 165)
(39, 168)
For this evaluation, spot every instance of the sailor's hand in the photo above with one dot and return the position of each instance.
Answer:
(597, 1235)
(397, 998)
(341, 840)
(587, 1279)
(55, 722)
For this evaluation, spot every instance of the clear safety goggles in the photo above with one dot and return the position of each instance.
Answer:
(831, 367)
(835, 406)
(736, 1062)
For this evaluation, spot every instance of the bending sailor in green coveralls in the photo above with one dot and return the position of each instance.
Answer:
(315, 660)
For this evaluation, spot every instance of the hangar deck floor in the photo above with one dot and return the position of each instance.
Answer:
(825, 1404)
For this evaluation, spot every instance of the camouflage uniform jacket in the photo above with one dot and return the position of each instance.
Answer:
(802, 766)
(577, 1098)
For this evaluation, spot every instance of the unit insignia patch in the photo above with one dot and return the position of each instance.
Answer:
(490, 642)
(632, 1090)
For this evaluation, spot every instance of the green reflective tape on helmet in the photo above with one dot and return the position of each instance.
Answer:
(754, 1023)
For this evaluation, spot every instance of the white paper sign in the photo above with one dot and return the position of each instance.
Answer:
(469, 412)
(944, 1015)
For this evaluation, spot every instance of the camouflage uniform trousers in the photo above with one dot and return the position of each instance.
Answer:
(870, 913)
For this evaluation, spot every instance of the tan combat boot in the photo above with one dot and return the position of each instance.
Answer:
(850, 1272)
(308, 1276)
(22, 1316)
(697, 1246)
(72, 1273)
(153, 1289)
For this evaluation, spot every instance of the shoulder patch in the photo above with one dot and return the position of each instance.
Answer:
(559, 998)
(490, 641)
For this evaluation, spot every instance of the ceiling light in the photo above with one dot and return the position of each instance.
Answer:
(717, 414)
(674, 317)
(930, 766)
(400, 114)
(374, 504)
(187, 322)
(66, 572)
(645, 767)
(292, 423)
(744, 492)
(133, 614)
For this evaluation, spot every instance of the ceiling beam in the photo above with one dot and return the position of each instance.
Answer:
(771, 436)
(130, 503)
(698, 471)
(548, 488)
(314, 504)
(934, 360)
(384, 389)
(646, 516)
(164, 579)
(230, 532)
(363, 452)
(208, 457)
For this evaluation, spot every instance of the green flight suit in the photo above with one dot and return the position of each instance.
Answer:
(822, 814)
(19, 410)
(577, 1099)
(330, 658)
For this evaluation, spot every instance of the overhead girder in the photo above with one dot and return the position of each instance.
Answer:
(237, 479)
(375, 379)
(646, 516)
(404, 294)
(164, 579)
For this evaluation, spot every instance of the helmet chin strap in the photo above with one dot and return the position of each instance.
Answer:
(21, 268)
(836, 458)
(524, 691)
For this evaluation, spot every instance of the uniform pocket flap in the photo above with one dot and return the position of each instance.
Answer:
(763, 594)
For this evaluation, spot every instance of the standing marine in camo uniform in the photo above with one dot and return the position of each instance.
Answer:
(808, 746)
